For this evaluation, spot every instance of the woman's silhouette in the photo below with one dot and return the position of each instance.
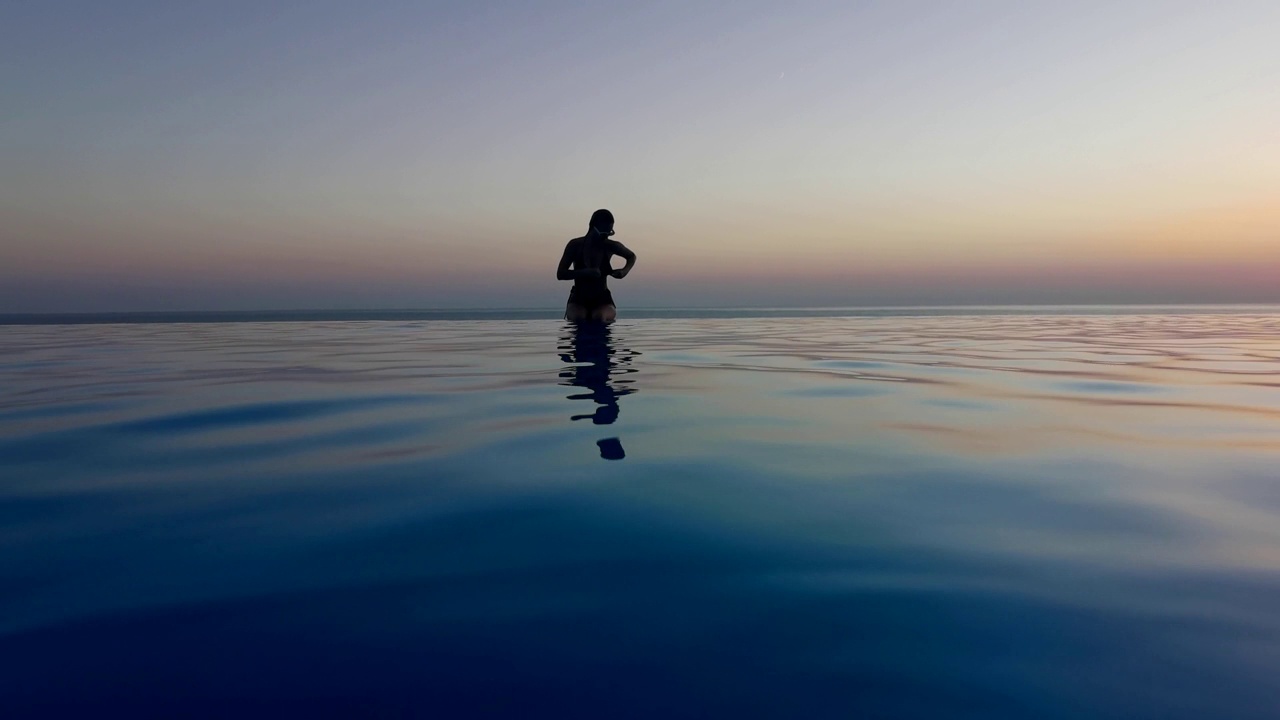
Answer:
(586, 262)
(590, 347)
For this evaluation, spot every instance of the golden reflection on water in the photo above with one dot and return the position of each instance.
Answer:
(1014, 384)
(980, 384)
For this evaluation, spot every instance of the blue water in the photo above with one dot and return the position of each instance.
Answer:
(1040, 515)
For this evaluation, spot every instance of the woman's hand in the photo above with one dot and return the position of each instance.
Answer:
(619, 273)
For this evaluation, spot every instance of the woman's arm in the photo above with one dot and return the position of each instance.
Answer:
(621, 251)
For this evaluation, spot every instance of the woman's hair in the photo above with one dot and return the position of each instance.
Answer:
(602, 218)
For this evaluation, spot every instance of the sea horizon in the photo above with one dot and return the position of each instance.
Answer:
(635, 313)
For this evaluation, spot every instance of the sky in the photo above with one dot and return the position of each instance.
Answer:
(280, 154)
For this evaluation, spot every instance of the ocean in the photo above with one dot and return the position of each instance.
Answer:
(823, 513)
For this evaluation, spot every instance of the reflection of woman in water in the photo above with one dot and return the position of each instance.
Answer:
(589, 345)
(589, 255)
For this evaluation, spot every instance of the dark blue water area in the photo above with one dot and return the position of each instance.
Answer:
(755, 518)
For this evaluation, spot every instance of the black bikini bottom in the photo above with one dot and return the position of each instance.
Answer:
(590, 301)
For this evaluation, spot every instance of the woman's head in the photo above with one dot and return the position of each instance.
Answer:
(602, 222)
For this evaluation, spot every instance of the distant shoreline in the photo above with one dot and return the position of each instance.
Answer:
(462, 314)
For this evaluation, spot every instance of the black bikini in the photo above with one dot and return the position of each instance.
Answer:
(591, 293)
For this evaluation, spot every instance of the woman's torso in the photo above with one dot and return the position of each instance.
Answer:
(593, 254)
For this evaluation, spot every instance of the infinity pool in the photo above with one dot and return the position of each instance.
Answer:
(1041, 516)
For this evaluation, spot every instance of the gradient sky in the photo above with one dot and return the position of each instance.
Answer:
(161, 155)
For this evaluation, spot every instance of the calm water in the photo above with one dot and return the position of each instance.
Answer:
(1043, 516)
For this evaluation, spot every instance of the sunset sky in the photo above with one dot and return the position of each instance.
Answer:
(162, 155)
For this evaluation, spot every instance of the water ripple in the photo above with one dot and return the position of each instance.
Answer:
(904, 516)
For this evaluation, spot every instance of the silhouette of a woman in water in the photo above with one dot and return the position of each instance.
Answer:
(586, 263)
(590, 348)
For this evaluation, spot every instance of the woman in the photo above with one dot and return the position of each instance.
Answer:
(589, 255)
